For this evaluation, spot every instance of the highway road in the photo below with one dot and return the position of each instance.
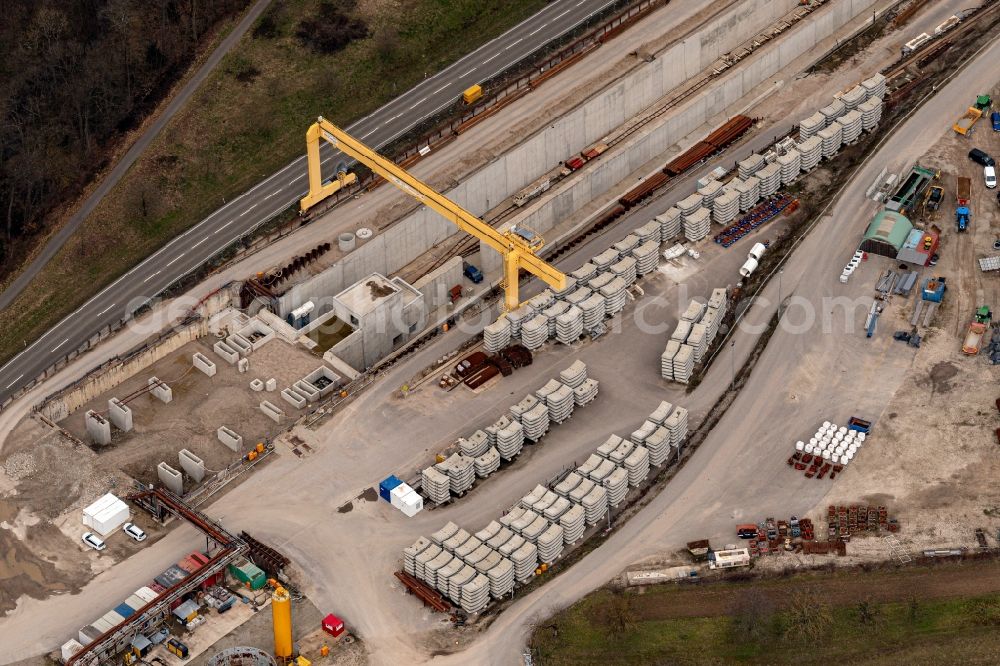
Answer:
(284, 188)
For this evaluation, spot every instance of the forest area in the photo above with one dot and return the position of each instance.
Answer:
(75, 77)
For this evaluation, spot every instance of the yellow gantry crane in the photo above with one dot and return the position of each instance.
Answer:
(518, 247)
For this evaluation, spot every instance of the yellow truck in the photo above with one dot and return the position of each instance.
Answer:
(472, 93)
(965, 123)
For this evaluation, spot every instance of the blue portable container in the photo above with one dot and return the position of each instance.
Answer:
(386, 485)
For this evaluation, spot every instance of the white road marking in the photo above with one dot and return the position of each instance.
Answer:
(60, 344)
(515, 42)
(538, 29)
(105, 309)
(179, 256)
(222, 227)
(15, 380)
(559, 15)
(151, 277)
(491, 57)
(200, 242)
(243, 213)
(433, 93)
(415, 105)
(469, 72)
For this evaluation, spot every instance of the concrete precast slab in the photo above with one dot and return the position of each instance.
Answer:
(192, 465)
(171, 478)
(271, 384)
(239, 343)
(160, 389)
(226, 352)
(120, 414)
(256, 385)
(201, 362)
(230, 438)
(306, 389)
(271, 411)
(293, 398)
(98, 427)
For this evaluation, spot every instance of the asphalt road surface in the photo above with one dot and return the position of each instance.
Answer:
(284, 188)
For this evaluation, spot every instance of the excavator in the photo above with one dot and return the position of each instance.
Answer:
(517, 246)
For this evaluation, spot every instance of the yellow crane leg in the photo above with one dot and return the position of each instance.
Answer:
(511, 275)
(317, 190)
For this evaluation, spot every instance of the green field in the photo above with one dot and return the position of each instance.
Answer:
(246, 121)
(628, 628)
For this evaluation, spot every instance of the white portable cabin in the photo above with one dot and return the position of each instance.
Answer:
(106, 514)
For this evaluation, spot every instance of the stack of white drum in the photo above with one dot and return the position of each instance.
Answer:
(836, 444)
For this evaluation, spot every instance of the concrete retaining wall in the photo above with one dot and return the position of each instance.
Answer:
(201, 362)
(480, 191)
(435, 285)
(170, 478)
(192, 465)
(712, 101)
(69, 401)
(225, 352)
(120, 414)
(230, 438)
(271, 411)
(160, 390)
(293, 398)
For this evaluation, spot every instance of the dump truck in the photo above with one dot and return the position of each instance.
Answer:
(963, 190)
(964, 124)
(977, 329)
(962, 217)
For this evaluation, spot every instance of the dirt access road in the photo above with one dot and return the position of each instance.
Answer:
(803, 377)
(840, 588)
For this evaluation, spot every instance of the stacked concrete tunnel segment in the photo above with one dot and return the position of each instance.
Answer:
(420, 230)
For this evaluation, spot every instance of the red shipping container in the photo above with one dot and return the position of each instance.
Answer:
(333, 625)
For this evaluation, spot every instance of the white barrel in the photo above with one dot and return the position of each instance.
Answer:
(852, 449)
(861, 437)
(839, 450)
(809, 448)
(813, 440)
(826, 455)
(842, 429)
(826, 439)
(826, 424)
(799, 445)
(839, 437)
(844, 460)
(850, 454)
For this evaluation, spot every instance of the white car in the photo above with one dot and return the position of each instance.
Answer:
(134, 532)
(990, 175)
(94, 541)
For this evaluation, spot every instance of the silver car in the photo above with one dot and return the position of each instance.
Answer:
(94, 541)
(990, 176)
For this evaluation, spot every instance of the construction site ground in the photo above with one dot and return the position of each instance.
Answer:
(347, 558)
(50, 477)
(936, 462)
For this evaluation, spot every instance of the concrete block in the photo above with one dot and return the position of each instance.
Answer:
(98, 427)
(257, 333)
(192, 465)
(256, 385)
(324, 380)
(230, 438)
(293, 398)
(227, 353)
(271, 384)
(310, 392)
(272, 411)
(120, 414)
(201, 362)
(170, 478)
(240, 344)
(243, 364)
(160, 390)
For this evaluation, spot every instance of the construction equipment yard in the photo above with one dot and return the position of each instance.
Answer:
(735, 369)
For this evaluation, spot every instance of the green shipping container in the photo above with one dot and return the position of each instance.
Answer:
(249, 573)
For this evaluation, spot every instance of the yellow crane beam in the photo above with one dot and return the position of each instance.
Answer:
(518, 247)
